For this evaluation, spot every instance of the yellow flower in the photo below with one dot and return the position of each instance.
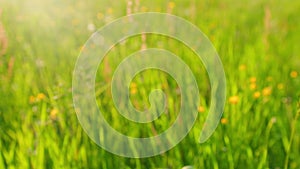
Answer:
(267, 91)
(224, 121)
(294, 74)
(256, 95)
(253, 79)
(234, 99)
(133, 91)
(31, 99)
(40, 96)
(280, 86)
(171, 5)
(253, 86)
(201, 109)
(109, 10)
(133, 85)
(242, 67)
(53, 113)
(100, 15)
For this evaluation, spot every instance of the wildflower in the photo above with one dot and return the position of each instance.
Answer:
(201, 109)
(280, 86)
(110, 11)
(256, 94)
(253, 86)
(267, 91)
(133, 85)
(294, 74)
(53, 113)
(40, 96)
(100, 15)
(171, 5)
(253, 79)
(224, 121)
(91, 27)
(31, 99)
(133, 91)
(234, 99)
(242, 67)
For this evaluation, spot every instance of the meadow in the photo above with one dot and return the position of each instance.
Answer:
(256, 41)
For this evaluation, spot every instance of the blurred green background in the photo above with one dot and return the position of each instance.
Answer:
(258, 42)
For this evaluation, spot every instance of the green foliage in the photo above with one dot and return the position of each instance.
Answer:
(256, 40)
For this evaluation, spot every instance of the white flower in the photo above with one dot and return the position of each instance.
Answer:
(91, 27)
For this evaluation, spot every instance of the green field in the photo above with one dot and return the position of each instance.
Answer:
(257, 43)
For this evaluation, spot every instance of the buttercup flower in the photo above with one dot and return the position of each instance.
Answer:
(224, 121)
(253, 79)
(133, 91)
(234, 99)
(253, 86)
(267, 91)
(294, 74)
(100, 15)
(256, 94)
(31, 99)
(40, 96)
(133, 88)
(109, 10)
(201, 109)
(171, 5)
(133, 85)
(53, 113)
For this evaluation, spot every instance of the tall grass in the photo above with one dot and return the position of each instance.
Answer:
(256, 40)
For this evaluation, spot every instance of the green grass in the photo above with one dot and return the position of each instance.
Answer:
(256, 40)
